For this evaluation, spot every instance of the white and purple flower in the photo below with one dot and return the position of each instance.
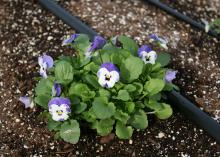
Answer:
(70, 39)
(45, 62)
(158, 40)
(27, 101)
(56, 89)
(170, 75)
(147, 54)
(108, 75)
(59, 108)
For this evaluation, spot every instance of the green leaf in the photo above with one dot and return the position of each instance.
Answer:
(155, 67)
(104, 93)
(129, 44)
(78, 88)
(116, 59)
(131, 69)
(87, 95)
(44, 87)
(70, 131)
(53, 125)
(129, 106)
(92, 80)
(123, 131)
(106, 57)
(81, 43)
(105, 126)
(153, 104)
(139, 88)
(130, 88)
(121, 116)
(163, 59)
(123, 95)
(63, 72)
(79, 108)
(102, 108)
(139, 120)
(165, 112)
(92, 67)
(89, 116)
(154, 86)
(109, 49)
(42, 100)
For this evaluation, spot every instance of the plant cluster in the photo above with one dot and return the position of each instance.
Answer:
(109, 85)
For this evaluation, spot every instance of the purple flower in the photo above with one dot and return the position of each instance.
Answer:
(108, 75)
(56, 89)
(97, 43)
(70, 39)
(170, 75)
(45, 62)
(59, 108)
(147, 54)
(27, 101)
(160, 41)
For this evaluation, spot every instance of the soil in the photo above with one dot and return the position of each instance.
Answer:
(27, 31)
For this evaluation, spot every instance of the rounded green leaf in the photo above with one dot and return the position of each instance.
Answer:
(103, 92)
(130, 106)
(42, 100)
(163, 59)
(79, 108)
(165, 112)
(123, 95)
(44, 87)
(121, 116)
(130, 88)
(128, 44)
(131, 68)
(70, 131)
(123, 131)
(139, 120)
(63, 72)
(154, 86)
(53, 125)
(105, 126)
(77, 89)
(102, 108)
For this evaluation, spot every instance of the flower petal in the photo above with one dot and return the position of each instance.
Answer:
(70, 39)
(97, 43)
(170, 75)
(48, 60)
(27, 101)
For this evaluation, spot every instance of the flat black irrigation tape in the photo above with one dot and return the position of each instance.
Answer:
(189, 109)
(182, 17)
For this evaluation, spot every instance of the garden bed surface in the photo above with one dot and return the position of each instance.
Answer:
(27, 31)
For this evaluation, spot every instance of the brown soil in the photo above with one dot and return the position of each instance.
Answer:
(29, 31)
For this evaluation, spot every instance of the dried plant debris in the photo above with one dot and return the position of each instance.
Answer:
(30, 30)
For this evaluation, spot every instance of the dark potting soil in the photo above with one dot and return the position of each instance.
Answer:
(27, 31)
(200, 9)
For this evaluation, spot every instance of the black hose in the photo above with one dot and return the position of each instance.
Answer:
(67, 18)
(188, 108)
(183, 17)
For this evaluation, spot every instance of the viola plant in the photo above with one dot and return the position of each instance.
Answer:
(112, 87)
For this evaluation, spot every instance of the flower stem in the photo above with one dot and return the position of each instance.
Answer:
(145, 94)
(153, 112)
(100, 57)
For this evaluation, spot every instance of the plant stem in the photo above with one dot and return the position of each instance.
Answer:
(145, 94)
(100, 57)
(153, 112)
